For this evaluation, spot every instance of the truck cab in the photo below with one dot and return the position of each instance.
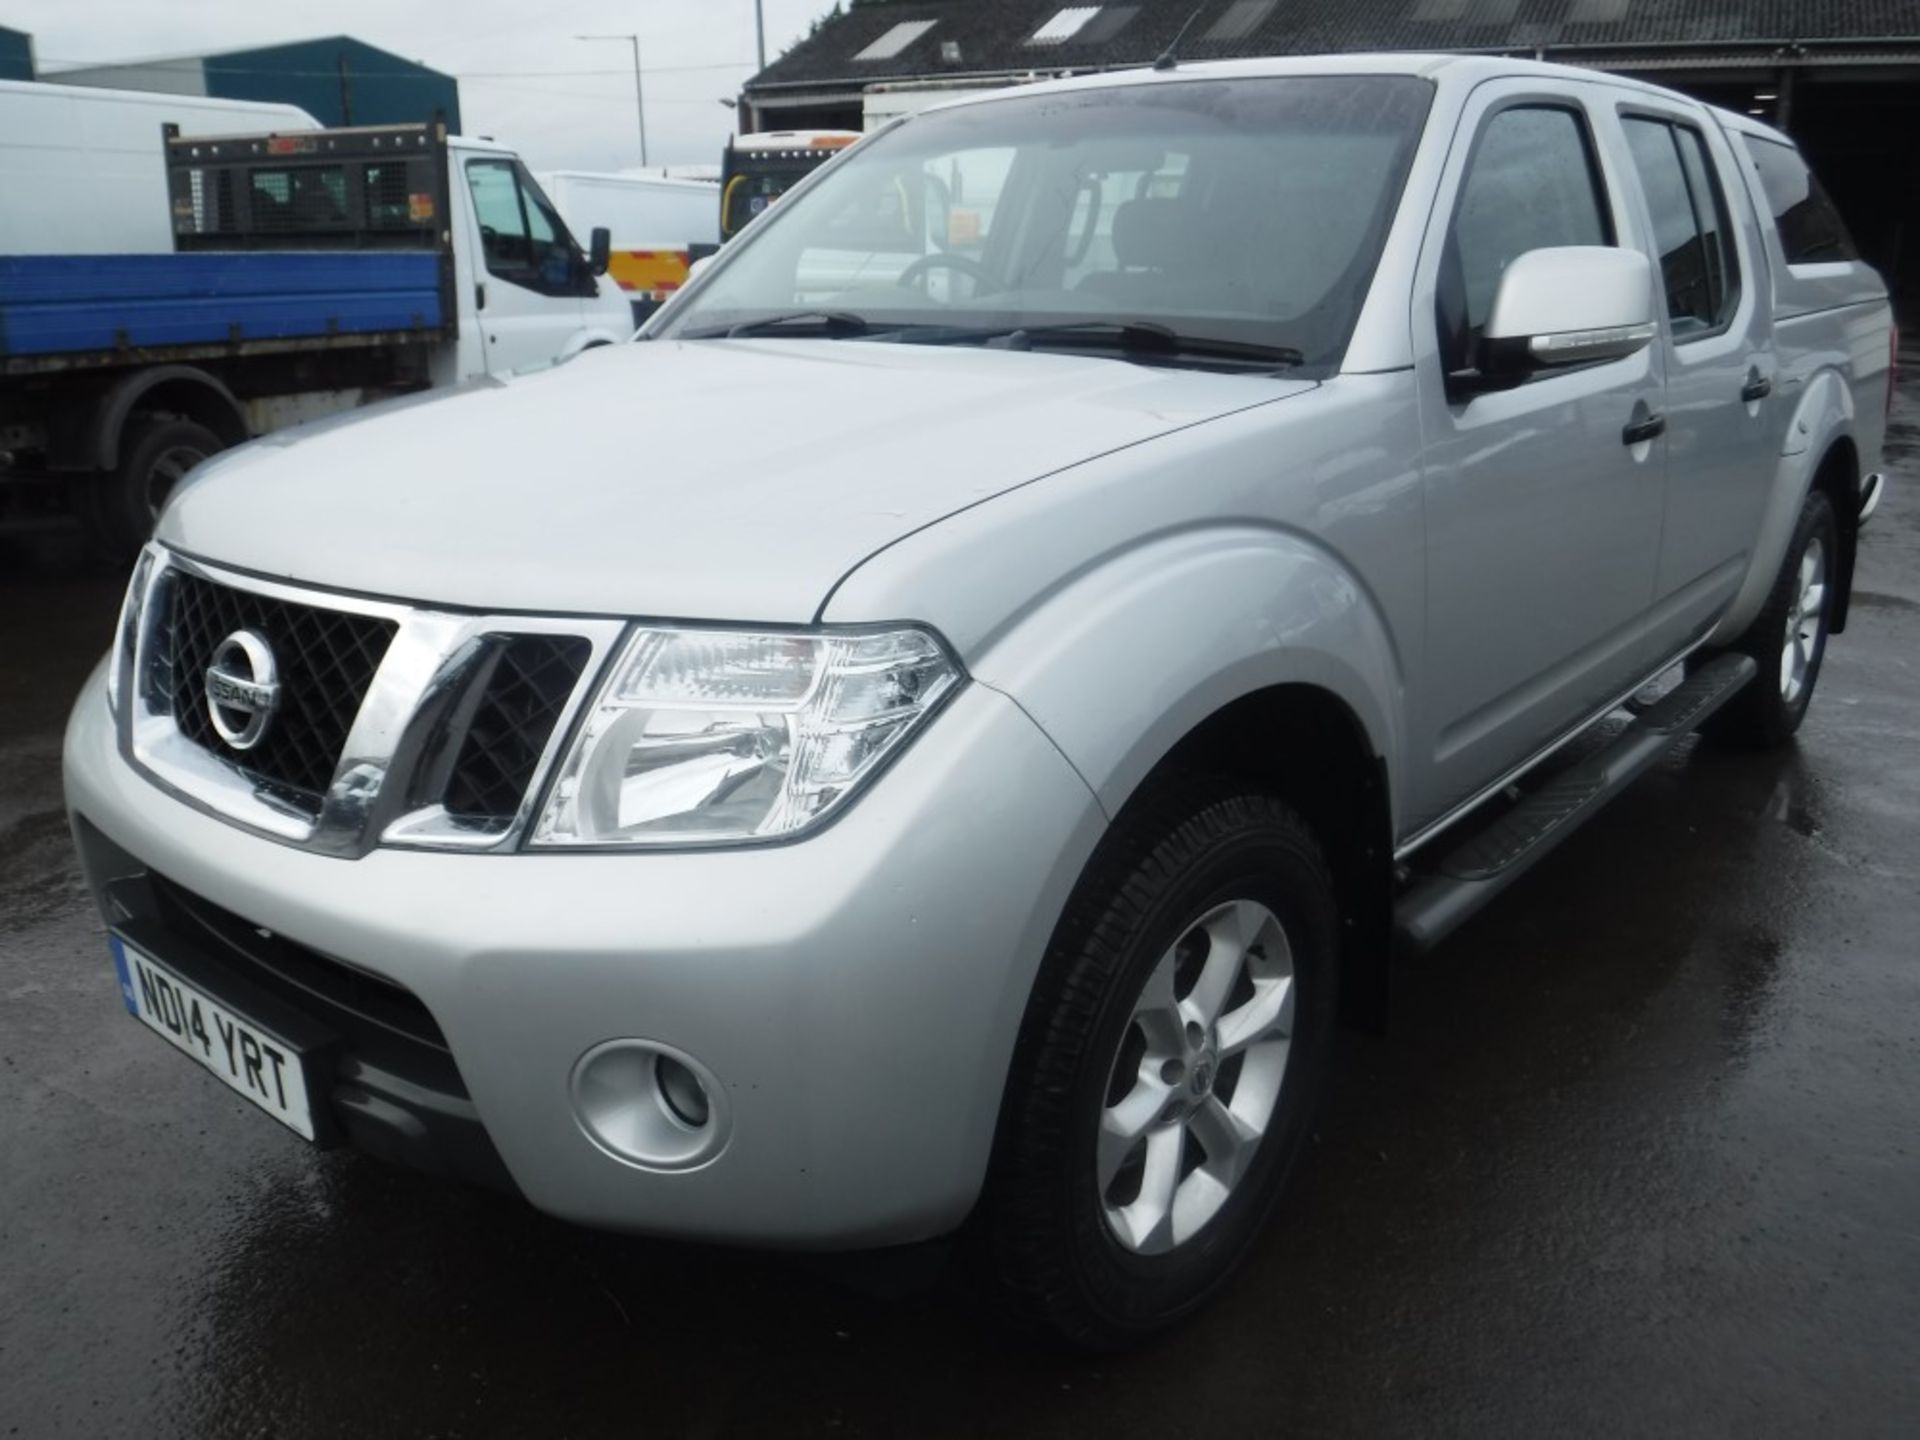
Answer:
(520, 291)
(532, 297)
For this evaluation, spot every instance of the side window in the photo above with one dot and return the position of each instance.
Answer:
(1532, 183)
(1690, 228)
(542, 223)
(1811, 230)
(1714, 218)
(521, 237)
(503, 226)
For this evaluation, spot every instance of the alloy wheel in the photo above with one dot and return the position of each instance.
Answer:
(1806, 623)
(1197, 1077)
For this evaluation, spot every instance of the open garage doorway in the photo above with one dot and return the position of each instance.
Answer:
(1860, 127)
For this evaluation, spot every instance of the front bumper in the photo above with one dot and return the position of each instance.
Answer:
(856, 994)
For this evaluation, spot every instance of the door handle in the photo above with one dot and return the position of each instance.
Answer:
(1758, 387)
(1647, 427)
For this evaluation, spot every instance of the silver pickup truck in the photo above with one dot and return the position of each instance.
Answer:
(938, 736)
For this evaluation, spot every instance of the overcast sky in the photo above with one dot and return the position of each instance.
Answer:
(524, 80)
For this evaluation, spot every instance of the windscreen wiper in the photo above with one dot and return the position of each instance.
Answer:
(1131, 337)
(833, 323)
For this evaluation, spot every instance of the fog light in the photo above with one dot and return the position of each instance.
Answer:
(680, 1088)
(650, 1105)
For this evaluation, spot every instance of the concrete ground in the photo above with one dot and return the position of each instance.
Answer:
(1642, 1155)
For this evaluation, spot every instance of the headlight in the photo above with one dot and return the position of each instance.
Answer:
(704, 736)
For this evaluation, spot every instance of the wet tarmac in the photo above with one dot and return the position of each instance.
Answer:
(1642, 1155)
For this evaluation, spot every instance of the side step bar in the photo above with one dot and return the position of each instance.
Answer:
(1439, 902)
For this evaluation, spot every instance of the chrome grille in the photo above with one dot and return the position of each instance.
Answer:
(520, 701)
(393, 724)
(327, 662)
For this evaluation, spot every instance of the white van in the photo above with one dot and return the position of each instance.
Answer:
(659, 226)
(93, 162)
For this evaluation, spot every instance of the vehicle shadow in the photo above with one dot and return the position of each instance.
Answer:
(1498, 1161)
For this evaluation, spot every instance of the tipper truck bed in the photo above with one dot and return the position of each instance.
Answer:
(80, 312)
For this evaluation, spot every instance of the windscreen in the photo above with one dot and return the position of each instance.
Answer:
(1245, 210)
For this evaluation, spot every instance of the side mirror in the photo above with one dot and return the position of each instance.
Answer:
(1567, 305)
(698, 265)
(600, 249)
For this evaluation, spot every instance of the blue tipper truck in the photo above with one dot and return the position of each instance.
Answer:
(312, 272)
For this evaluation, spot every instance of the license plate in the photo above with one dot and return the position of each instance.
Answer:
(254, 1061)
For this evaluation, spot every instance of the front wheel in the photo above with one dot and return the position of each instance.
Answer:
(1168, 1067)
(1788, 639)
(123, 504)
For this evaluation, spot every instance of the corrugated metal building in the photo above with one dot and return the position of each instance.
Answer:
(338, 80)
(1842, 75)
(16, 55)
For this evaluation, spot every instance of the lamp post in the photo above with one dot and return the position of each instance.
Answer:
(760, 31)
(639, 95)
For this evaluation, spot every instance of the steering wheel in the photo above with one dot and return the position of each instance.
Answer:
(949, 260)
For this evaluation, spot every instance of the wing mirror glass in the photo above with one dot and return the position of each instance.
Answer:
(1568, 305)
(600, 249)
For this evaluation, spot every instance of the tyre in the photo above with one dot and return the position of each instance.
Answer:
(1168, 1068)
(155, 455)
(1788, 639)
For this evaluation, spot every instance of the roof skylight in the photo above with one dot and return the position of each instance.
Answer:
(897, 39)
(1064, 25)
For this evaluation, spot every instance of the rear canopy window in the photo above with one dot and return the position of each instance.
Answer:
(1811, 230)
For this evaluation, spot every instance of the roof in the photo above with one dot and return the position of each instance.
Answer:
(1441, 66)
(908, 39)
(194, 57)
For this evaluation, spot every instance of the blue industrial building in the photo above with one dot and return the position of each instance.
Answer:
(16, 55)
(337, 80)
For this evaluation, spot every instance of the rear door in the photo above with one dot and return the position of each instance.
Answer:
(1717, 343)
(1543, 520)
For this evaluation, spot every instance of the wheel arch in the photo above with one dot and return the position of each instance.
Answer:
(93, 436)
(1239, 650)
(1838, 478)
(1305, 744)
(1821, 454)
(592, 338)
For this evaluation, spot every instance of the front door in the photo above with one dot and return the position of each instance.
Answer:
(1543, 513)
(529, 301)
